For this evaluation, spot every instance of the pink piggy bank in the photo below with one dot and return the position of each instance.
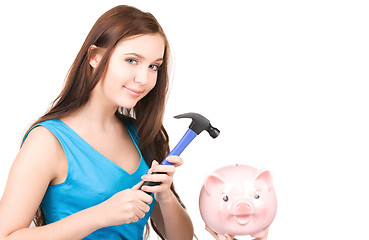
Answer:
(238, 200)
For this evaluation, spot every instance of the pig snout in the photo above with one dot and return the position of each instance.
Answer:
(244, 208)
(242, 212)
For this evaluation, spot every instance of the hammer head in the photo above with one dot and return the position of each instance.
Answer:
(200, 123)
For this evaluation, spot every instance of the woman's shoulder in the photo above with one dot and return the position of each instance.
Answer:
(41, 143)
(40, 133)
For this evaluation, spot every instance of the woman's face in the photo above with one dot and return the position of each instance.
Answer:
(132, 70)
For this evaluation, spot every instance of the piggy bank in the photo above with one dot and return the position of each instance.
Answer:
(238, 200)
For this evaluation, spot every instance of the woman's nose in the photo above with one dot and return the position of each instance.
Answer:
(142, 76)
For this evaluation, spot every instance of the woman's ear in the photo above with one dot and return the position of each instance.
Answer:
(96, 54)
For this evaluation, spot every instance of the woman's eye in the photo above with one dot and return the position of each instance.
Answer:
(154, 67)
(131, 61)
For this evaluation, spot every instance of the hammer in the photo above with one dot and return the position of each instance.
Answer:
(199, 123)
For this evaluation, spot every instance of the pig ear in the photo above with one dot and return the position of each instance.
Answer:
(264, 179)
(213, 183)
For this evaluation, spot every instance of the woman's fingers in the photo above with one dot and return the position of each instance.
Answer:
(175, 160)
(137, 186)
(214, 234)
(168, 169)
(160, 177)
(164, 180)
(164, 176)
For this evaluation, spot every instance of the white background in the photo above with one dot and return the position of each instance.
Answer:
(286, 82)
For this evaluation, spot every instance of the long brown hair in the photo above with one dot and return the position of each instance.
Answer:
(116, 24)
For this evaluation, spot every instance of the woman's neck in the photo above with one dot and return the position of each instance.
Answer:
(94, 114)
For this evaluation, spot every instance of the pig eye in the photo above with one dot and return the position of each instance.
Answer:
(257, 195)
(225, 198)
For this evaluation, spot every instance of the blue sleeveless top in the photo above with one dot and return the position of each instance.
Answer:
(91, 179)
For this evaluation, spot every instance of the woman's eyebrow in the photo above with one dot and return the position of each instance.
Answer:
(142, 57)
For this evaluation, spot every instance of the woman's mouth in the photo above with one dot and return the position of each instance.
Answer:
(133, 92)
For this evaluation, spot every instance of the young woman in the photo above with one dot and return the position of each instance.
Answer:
(80, 165)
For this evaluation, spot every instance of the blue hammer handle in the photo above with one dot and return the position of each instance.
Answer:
(181, 145)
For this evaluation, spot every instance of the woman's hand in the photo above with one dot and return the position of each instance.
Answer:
(215, 235)
(162, 191)
(124, 207)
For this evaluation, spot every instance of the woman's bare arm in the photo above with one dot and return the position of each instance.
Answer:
(168, 215)
(35, 166)
(176, 224)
